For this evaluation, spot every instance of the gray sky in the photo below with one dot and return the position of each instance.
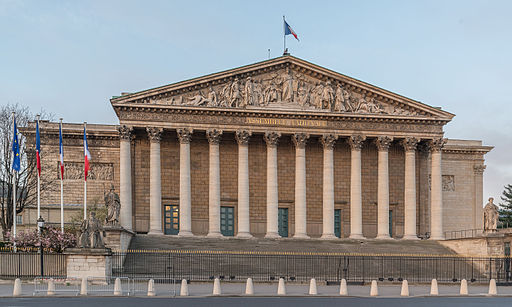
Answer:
(70, 57)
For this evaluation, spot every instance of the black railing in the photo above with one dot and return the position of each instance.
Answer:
(27, 264)
(330, 267)
(461, 234)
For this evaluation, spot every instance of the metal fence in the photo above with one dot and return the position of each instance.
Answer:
(27, 264)
(329, 267)
(461, 234)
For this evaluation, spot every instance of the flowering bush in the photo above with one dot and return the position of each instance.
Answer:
(51, 238)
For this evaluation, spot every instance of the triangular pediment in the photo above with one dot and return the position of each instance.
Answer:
(286, 84)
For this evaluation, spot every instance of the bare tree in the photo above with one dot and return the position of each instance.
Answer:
(26, 178)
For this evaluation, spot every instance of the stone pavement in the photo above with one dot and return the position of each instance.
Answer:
(270, 289)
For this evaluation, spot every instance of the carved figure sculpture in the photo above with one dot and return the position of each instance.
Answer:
(490, 216)
(212, 98)
(339, 102)
(235, 96)
(327, 96)
(83, 239)
(317, 96)
(91, 233)
(287, 88)
(113, 205)
(248, 93)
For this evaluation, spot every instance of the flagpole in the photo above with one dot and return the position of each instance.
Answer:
(38, 185)
(284, 36)
(61, 189)
(14, 191)
(85, 178)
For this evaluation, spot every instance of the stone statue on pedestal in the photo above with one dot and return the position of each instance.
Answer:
(490, 216)
(113, 205)
(91, 233)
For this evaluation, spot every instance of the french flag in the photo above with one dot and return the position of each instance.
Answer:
(61, 153)
(38, 149)
(87, 156)
(288, 30)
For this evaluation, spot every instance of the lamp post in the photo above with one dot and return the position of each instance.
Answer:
(40, 225)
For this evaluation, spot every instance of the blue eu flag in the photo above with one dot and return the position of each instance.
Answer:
(15, 150)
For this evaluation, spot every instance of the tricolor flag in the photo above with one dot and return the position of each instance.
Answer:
(87, 156)
(288, 30)
(16, 161)
(61, 153)
(38, 149)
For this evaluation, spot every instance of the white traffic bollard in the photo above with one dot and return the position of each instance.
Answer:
(249, 287)
(118, 290)
(463, 287)
(493, 290)
(51, 287)
(216, 287)
(343, 287)
(16, 291)
(405, 288)
(184, 288)
(151, 287)
(83, 286)
(434, 290)
(281, 288)
(374, 290)
(312, 287)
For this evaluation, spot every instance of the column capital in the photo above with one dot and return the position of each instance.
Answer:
(272, 138)
(328, 141)
(383, 143)
(410, 144)
(356, 141)
(436, 145)
(154, 134)
(213, 136)
(125, 132)
(479, 169)
(243, 136)
(300, 139)
(184, 135)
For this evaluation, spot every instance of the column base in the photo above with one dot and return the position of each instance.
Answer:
(437, 238)
(185, 233)
(214, 235)
(383, 237)
(155, 232)
(272, 235)
(300, 236)
(328, 236)
(244, 235)
(356, 236)
(410, 237)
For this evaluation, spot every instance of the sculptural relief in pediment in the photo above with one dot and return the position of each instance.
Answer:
(285, 89)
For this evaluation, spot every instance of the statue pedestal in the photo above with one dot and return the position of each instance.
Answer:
(88, 262)
(117, 238)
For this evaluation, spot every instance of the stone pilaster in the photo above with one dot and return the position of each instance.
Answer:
(410, 145)
(478, 213)
(155, 182)
(356, 207)
(242, 137)
(328, 142)
(125, 176)
(272, 138)
(383, 143)
(185, 137)
(214, 136)
(436, 190)
(300, 140)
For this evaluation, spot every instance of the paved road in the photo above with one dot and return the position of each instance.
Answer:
(257, 301)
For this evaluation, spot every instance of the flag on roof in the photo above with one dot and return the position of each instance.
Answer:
(288, 30)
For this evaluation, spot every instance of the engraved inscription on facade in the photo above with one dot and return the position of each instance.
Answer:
(97, 171)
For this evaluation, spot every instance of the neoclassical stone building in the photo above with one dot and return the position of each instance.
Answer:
(281, 147)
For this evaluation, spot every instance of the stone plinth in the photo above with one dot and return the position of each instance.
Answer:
(88, 262)
(117, 238)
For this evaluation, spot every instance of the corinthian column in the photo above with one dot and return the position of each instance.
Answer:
(213, 136)
(155, 183)
(244, 224)
(271, 138)
(410, 145)
(328, 142)
(436, 191)
(125, 176)
(299, 140)
(383, 143)
(356, 207)
(185, 136)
